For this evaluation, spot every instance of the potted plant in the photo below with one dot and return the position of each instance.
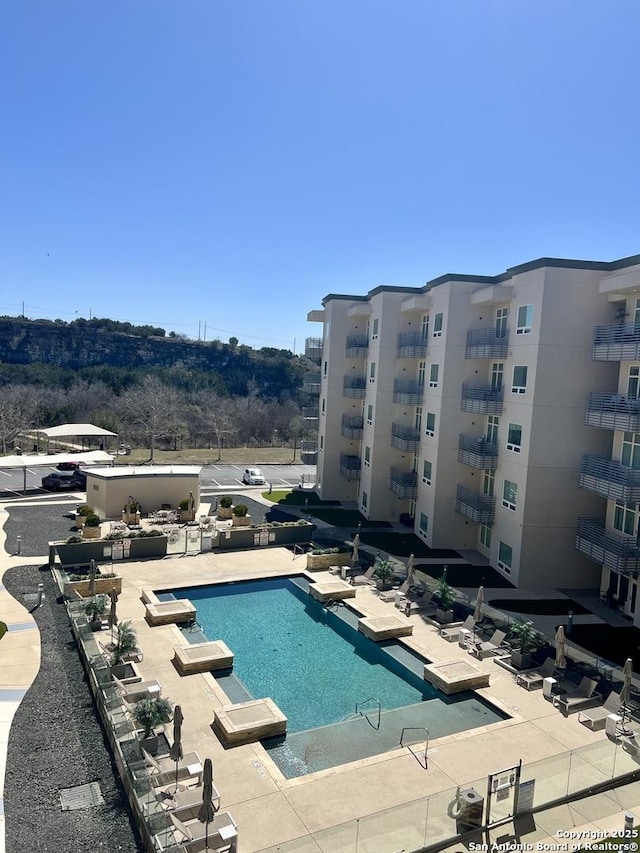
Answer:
(224, 507)
(149, 713)
(383, 572)
(124, 645)
(82, 512)
(91, 529)
(446, 599)
(131, 512)
(241, 517)
(94, 608)
(524, 640)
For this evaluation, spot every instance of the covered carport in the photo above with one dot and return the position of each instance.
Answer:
(75, 431)
(25, 461)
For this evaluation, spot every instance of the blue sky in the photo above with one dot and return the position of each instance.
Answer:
(182, 162)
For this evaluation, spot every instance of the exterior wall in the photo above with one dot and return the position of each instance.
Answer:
(108, 494)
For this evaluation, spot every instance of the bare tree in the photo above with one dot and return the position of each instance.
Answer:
(216, 417)
(152, 409)
(17, 413)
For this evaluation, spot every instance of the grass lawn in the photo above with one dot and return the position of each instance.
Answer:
(3, 629)
(403, 544)
(346, 518)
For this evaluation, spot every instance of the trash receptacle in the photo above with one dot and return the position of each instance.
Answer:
(467, 809)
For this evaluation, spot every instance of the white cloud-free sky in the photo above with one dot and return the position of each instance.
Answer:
(192, 162)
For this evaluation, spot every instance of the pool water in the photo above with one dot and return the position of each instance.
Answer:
(317, 667)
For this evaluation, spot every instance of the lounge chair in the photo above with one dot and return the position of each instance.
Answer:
(423, 605)
(452, 632)
(162, 771)
(489, 647)
(535, 677)
(365, 579)
(222, 834)
(185, 805)
(581, 697)
(595, 718)
(138, 690)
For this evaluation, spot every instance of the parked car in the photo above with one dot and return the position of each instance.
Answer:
(253, 477)
(67, 466)
(57, 481)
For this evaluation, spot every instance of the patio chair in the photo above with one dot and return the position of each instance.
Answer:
(185, 805)
(595, 718)
(367, 578)
(222, 834)
(162, 771)
(581, 697)
(423, 605)
(489, 647)
(452, 632)
(535, 677)
(138, 690)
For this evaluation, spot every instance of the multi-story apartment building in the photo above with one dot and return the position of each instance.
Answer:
(501, 413)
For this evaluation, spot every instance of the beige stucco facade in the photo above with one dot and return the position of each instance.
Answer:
(109, 489)
(470, 413)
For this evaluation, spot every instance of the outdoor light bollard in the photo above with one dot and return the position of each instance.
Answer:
(40, 595)
(19, 544)
(570, 622)
(628, 822)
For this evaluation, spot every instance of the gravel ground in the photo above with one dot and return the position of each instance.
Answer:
(38, 525)
(55, 742)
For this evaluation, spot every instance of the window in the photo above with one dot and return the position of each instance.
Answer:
(624, 518)
(497, 369)
(374, 330)
(519, 382)
(485, 535)
(321, 442)
(323, 405)
(365, 500)
(488, 483)
(426, 472)
(431, 424)
(422, 368)
(509, 494)
(525, 319)
(369, 415)
(372, 372)
(630, 456)
(437, 325)
(502, 315)
(514, 438)
(324, 368)
(424, 328)
(424, 524)
(433, 375)
(492, 429)
(636, 314)
(633, 383)
(367, 455)
(505, 557)
(417, 422)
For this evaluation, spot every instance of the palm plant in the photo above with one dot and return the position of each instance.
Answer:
(125, 643)
(95, 607)
(152, 712)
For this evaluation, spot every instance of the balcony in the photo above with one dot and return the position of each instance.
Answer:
(477, 452)
(311, 413)
(357, 346)
(354, 387)
(350, 466)
(411, 345)
(308, 452)
(478, 508)
(616, 343)
(352, 426)
(408, 392)
(610, 479)
(613, 411)
(487, 343)
(403, 483)
(405, 438)
(313, 348)
(615, 551)
(311, 383)
(481, 399)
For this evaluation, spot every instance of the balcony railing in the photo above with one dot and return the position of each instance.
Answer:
(408, 392)
(352, 426)
(481, 399)
(313, 348)
(611, 479)
(411, 345)
(350, 466)
(616, 343)
(487, 343)
(354, 387)
(477, 452)
(613, 411)
(403, 483)
(479, 508)
(405, 437)
(615, 551)
(311, 383)
(308, 452)
(357, 346)
(310, 413)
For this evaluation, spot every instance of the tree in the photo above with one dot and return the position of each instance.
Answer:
(216, 417)
(17, 413)
(152, 409)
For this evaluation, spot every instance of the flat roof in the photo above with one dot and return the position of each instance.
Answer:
(146, 471)
(25, 460)
(64, 430)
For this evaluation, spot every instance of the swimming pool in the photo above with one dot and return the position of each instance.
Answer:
(317, 667)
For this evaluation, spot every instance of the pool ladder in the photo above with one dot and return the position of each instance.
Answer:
(361, 709)
(419, 755)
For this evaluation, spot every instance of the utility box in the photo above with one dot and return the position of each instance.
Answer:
(471, 811)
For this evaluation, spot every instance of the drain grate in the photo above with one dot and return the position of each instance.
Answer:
(81, 797)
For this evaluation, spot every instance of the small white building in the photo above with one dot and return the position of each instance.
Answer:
(151, 486)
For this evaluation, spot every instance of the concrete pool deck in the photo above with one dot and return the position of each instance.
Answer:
(271, 810)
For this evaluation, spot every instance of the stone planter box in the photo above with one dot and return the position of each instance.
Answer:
(80, 520)
(225, 513)
(187, 515)
(321, 562)
(444, 617)
(256, 537)
(81, 553)
(131, 518)
(241, 521)
(91, 532)
(103, 585)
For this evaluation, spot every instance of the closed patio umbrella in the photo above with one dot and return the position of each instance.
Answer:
(411, 567)
(176, 752)
(113, 616)
(561, 661)
(92, 577)
(207, 810)
(625, 692)
(356, 545)
(477, 613)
